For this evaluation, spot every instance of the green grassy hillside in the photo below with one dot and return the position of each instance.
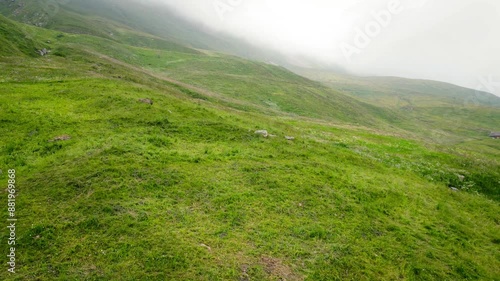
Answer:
(262, 86)
(141, 16)
(438, 111)
(184, 190)
(13, 41)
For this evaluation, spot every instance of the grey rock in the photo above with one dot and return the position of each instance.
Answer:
(148, 101)
(43, 52)
(60, 138)
(263, 133)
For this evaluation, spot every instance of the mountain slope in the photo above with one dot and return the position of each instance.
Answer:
(399, 92)
(396, 96)
(263, 85)
(159, 20)
(111, 188)
(455, 113)
(13, 41)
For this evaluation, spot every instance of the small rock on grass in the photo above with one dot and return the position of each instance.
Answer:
(206, 246)
(43, 52)
(263, 133)
(60, 138)
(148, 101)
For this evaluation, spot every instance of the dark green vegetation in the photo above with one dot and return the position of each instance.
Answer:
(184, 190)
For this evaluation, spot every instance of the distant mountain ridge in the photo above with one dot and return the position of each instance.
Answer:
(160, 21)
(396, 91)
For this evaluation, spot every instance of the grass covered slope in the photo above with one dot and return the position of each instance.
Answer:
(258, 84)
(184, 190)
(14, 41)
(437, 111)
(139, 192)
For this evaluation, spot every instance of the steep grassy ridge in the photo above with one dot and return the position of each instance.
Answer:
(13, 41)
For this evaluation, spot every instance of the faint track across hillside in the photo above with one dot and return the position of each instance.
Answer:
(229, 100)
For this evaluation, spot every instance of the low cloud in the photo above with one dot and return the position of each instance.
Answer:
(454, 41)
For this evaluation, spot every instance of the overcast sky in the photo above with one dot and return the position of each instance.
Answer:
(456, 41)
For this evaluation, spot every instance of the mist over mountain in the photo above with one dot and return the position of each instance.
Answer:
(450, 41)
(166, 21)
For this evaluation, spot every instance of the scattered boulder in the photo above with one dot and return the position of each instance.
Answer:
(43, 52)
(461, 177)
(263, 133)
(453, 188)
(148, 101)
(206, 246)
(289, 138)
(60, 138)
